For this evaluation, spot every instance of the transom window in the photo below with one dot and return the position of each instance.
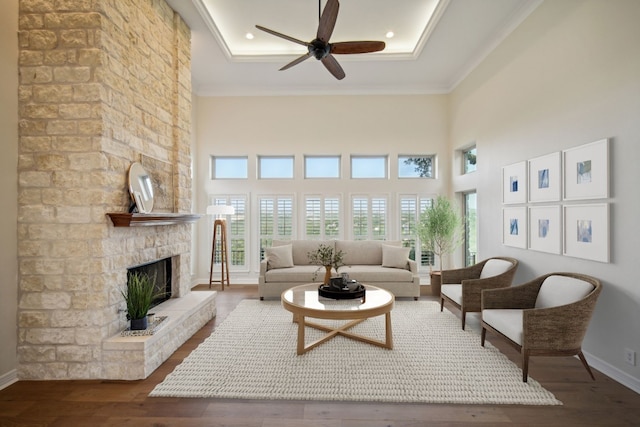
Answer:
(228, 167)
(469, 160)
(322, 166)
(275, 167)
(368, 166)
(416, 166)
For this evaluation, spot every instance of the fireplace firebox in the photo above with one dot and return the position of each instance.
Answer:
(161, 271)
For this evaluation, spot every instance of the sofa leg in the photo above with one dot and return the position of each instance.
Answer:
(261, 298)
(415, 298)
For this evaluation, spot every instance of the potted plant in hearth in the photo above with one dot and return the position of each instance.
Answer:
(440, 228)
(139, 296)
(327, 257)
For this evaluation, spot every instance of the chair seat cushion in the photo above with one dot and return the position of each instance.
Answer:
(561, 290)
(506, 321)
(453, 292)
(494, 267)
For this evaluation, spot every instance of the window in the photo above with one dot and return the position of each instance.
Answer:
(469, 160)
(322, 217)
(369, 216)
(275, 167)
(236, 230)
(368, 166)
(410, 208)
(322, 167)
(228, 167)
(416, 166)
(275, 220)
(470, 228)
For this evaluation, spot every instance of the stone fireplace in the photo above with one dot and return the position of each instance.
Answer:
(101, 84)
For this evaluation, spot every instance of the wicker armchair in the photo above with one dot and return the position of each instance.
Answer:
(463, 287)
(547, 316)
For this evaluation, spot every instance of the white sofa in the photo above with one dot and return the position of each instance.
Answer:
(384, 264)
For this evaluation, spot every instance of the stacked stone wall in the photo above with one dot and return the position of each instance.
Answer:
(103, 83)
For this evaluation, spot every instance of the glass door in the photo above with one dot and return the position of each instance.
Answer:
(470, 228)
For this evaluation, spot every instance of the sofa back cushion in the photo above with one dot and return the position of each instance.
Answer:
(301, 248)
(363, 252)
(561, 290)
(395, 256)
(495, 267)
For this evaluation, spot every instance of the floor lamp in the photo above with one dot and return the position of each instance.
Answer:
(220, 230)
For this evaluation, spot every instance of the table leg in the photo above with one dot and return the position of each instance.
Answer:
(389, 335)
(301, 326)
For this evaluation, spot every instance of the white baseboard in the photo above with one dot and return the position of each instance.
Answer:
(613, 372)
(9, 378)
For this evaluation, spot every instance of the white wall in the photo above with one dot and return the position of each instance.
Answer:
(336, 125)
(8, 191)
(569, 75)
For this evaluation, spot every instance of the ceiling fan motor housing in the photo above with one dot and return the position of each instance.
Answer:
(319, 49)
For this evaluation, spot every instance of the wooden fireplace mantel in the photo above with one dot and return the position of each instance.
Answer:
(124, 219)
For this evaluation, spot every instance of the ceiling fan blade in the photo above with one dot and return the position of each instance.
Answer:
(357, 47)
(296, 61)
(328, 20)
(284, 36)
(334, 68)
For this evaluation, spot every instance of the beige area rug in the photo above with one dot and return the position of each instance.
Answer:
(252, 355)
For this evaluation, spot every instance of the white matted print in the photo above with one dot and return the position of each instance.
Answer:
(514, 183)
(545, 229)
(514, 227)
(586, 231)
(586, 171)
(545, 178)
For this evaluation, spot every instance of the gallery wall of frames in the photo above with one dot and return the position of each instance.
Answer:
(558, 203)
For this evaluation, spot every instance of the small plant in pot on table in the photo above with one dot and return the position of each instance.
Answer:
(327, 257)
(139, 296)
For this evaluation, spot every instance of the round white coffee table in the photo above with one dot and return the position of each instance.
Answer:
(303, 301)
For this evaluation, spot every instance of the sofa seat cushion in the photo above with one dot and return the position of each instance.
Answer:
(495, 267)
(453, 292)
(376, 273)
(295, 274)
(507, 321)
(561, 290)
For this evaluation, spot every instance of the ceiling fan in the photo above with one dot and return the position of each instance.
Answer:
(321, 49)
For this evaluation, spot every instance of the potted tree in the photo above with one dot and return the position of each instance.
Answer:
(440, 229)
(139, 297)
(327, 257)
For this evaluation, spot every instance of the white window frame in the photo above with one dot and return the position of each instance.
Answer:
(383, 157)
(338, 158)
(403, 157)
(370, 215)
(293, 166)
(324, 204)
(213, 168)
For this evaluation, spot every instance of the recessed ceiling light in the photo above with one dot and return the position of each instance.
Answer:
(249, 36)
(390, 34)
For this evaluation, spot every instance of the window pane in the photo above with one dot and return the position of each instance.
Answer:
(360, 218)
(368, 167)
(275, 167)
(415, 166)
(332, 217)
(229, 168)
(469, 159)
(322, 167)
(313, 218)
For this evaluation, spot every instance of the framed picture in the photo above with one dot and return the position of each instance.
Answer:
(586, 231)
(586, 171)
(545, 229)
(545, 178)
(514, 183)
(514, 227)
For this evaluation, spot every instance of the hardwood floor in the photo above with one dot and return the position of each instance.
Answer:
(119, 403)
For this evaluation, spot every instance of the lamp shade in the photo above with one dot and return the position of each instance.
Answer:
(220, 210)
